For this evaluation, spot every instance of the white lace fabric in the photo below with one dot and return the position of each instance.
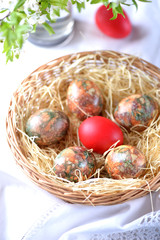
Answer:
(148, 228)
(127, 221)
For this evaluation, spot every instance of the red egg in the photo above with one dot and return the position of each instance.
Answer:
(99, 133)
(117, 28)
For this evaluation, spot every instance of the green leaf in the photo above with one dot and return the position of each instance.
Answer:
(13, 33)
(57, 12)
(9, 41)
(48, 28)
(120, 10)
(20, 41)
(9, 56)
(135, 3)
(80, 5)
(105, 2)
(34, 27)
(44, 5)
(62, 3)
(31, 11)
(127, 4)
(4, 13)
(49, 18)
(3, 10)
(19, 4)
(145, 1)
(116, 10)
(95, 1)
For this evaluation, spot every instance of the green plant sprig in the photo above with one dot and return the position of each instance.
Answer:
(15, 25)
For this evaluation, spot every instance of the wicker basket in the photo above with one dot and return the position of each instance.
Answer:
(67, 192)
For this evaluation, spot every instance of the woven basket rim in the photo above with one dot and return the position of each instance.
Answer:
(64, 192)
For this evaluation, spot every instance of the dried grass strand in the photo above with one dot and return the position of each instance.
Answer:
(117, 75)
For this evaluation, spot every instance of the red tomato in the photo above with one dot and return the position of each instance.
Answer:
(117, 28)
(99, 133)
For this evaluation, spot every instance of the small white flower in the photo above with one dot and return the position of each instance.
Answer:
(31, 4)
(34, 18)
(8, 4)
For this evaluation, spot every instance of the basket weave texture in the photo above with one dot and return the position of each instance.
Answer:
(71, 192)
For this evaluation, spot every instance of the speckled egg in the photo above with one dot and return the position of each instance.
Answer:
(74, 164)
(125, 161)
(47, 126)
(136, 110)
(84, 99)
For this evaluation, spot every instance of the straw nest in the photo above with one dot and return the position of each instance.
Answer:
(117, 75)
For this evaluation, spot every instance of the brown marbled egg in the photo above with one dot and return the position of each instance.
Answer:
(74, 164)
(136, 110)
(84, 99)
(47, 126)
(125, 161)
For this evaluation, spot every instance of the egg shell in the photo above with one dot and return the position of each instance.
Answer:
(125, 161)
(120, 27)
(136, 110)
(99, 133)
(75, 163)
(47, 126)
(84, 99)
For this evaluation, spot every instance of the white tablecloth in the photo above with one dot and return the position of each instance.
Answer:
(30, 213)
